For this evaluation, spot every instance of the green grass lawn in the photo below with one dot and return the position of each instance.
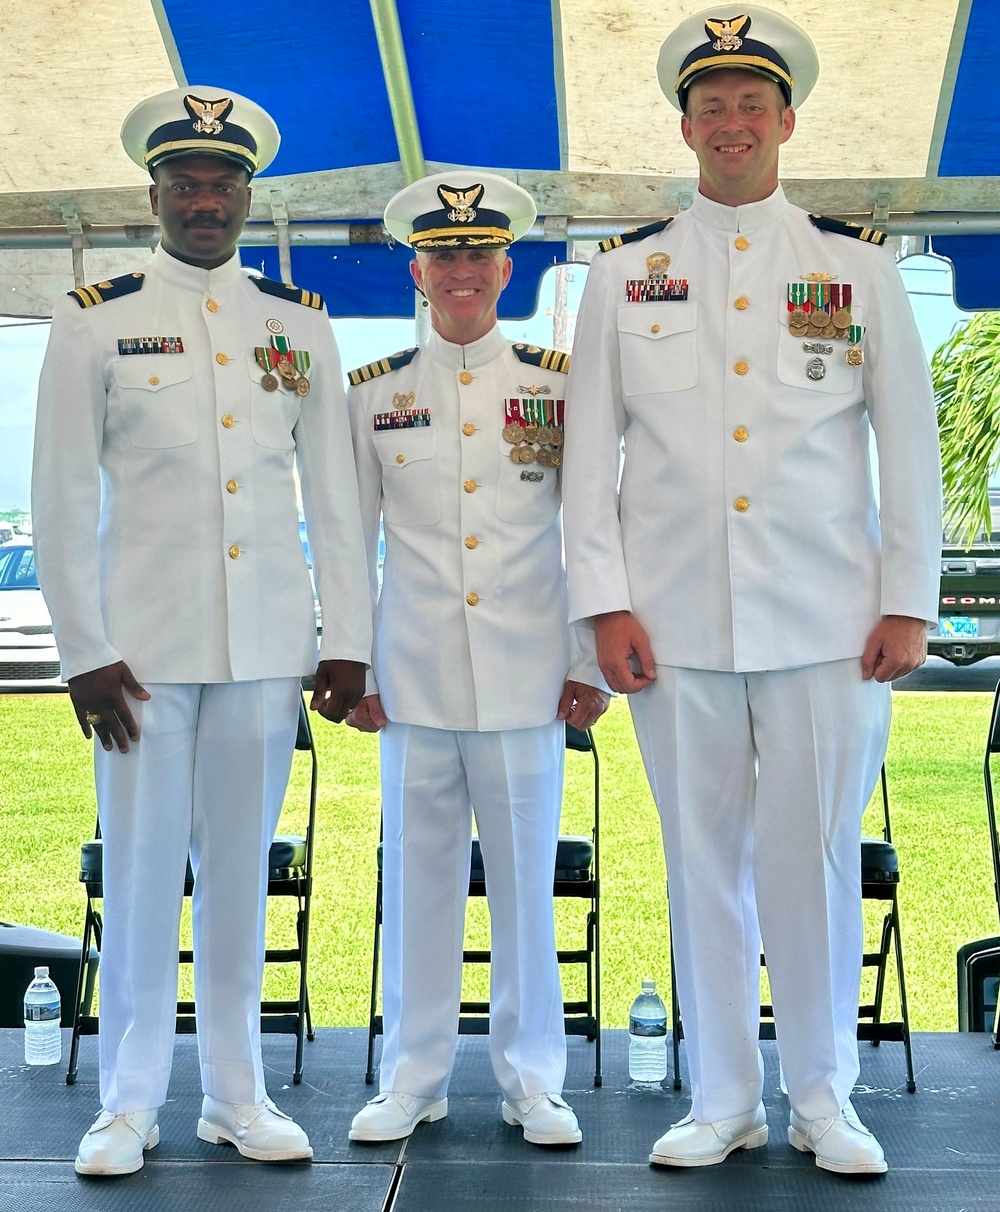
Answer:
(47, 809)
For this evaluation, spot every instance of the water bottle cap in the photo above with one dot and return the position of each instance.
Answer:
(41, 973)
(648, 985)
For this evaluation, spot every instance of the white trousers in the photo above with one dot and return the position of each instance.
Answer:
(207, 776)
(761, 780)
(432, 781)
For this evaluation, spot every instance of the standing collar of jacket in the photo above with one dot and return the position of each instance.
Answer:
(466, 357)
(191, 277)
(753, 215)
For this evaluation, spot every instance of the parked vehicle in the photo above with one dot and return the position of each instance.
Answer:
(968, 626)
(28, 656)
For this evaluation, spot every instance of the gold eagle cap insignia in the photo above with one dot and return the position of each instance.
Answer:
(461, 201)
(727, 32)
(208, 115)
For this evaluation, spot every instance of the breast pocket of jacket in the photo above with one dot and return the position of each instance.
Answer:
(658, 343)
(411, 495)
(527, 493)
(156, 397)
(817, 364)
(273, 414)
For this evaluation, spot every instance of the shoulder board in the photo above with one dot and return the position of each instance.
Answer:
(292, 294)
(869, 234)
(635, 233)
(547, 359)
(103, 292)
(382, 367)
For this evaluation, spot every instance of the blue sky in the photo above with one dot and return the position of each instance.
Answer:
(22, 347)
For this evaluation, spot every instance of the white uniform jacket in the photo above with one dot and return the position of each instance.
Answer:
(163, 494)
(746, 535)
(470, 626)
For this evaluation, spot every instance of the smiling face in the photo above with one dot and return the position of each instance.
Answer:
(462, 286)
(735, 122)
(202, 203)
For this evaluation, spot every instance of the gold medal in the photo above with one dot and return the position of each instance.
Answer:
(512, 433)
(287, 370)
(557, 438)
(515, 455)
(556, 459)
(528, 454)
(842, 318)
(799, 330)
(819, 318)
(830, 332)
(798, 317)
(855, 356)
(301, 386)
(269, 382)
(544, 435)
(531, 433)
(544, 457)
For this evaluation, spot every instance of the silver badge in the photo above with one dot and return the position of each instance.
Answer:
(532, 477)
(815, 368)
(276, 327)
(817, 347)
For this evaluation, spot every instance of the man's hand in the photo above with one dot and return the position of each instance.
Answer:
(368, 716)
(338, 689)
(99, 701)
(623, 652)
(582, 705)
(896, 647)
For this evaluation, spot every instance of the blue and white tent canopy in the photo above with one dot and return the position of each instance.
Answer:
(903, 128)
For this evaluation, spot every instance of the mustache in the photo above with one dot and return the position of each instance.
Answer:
(202, 219)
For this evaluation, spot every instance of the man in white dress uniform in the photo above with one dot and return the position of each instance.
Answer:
(744, 587)
(172, 407)
(475, 671)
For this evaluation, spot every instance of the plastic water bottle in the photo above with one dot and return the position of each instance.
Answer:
(42, 1039)
(647, 1036)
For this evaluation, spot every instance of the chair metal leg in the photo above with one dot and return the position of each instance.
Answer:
(885, 944)
(598, 1071)
(911, 1084)
(370, 1066)
(84, 988)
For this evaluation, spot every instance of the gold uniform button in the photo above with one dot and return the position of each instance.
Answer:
(742, 303)
(472, 542)
(228, 421)
(465, 378)
(655, 328)
(468, 429)
(472, 599)
(222, 359)
(741, 504)
(741, 434)
(741, 243)
(154, 379)
(232, 486)
(400, 458)
(470, 485)
(741, 367)
(212, 305)
(234, 552)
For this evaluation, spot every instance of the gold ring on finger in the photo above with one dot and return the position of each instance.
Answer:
(92, 718)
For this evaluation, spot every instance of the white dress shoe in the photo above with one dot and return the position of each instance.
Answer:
(114, 1144)
(547, 1119)
(393, 1115)
(258, 1130)
(690, 1143)
(841, 1143)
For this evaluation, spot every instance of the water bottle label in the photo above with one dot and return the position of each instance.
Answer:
(643, 1027)
(41, 1014)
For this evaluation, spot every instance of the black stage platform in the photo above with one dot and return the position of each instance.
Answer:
(942, 1143)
